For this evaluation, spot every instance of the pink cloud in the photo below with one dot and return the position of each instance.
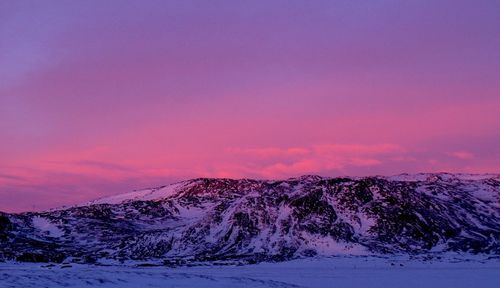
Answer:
(365, 162)
(277, 162)
(279, 170)
(271, 151)
(462, 155)
(357, 148)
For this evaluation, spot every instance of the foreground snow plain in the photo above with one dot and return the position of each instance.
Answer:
(371, 271)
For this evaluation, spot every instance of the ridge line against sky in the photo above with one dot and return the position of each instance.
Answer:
(99, 98)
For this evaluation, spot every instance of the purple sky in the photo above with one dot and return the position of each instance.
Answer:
(102, 97)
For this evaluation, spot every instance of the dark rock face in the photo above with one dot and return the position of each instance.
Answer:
(38, 257)
(5, 227)
(5, 224)
(220, 219)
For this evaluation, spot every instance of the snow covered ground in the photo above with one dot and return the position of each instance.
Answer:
(311, 272)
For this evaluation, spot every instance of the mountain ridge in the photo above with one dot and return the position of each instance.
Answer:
(398, 177)
(207, 219)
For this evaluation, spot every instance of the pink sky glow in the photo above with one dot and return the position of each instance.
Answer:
(103, 97)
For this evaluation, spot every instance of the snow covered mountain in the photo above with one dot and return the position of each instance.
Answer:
(252, 220)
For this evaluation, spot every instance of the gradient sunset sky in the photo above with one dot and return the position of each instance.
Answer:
(103, 97)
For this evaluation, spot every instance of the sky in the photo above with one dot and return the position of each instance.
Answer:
(104, 97)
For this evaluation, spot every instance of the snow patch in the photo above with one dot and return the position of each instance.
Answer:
(141, 195)
(46, 226)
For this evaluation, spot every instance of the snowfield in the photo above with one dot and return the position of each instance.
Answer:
(343, 271)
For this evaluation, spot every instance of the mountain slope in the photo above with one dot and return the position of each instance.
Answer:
(220, 219)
